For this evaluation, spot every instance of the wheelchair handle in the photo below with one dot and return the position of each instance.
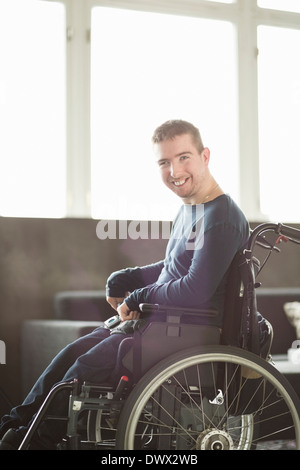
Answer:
(293, 234)
(289, 232)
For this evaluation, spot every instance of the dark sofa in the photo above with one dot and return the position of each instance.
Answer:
(76, 313)
(79, 312)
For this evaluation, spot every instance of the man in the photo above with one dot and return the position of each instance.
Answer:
(192, 277)
(206, 234)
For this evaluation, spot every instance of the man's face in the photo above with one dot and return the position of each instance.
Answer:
(183, 169)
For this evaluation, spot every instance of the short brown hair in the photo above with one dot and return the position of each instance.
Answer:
(172, 128)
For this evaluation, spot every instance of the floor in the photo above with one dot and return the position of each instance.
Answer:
(277, 445)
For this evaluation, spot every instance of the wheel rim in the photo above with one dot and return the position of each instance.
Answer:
(224, 431)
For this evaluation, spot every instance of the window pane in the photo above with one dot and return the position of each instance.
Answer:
(285, 5)
(140, 79)
(279, 122)
(32, 108)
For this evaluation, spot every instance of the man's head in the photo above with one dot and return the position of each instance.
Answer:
(183, 161)
(173, 128)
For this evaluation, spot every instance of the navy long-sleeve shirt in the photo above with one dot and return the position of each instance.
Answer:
(202, 245)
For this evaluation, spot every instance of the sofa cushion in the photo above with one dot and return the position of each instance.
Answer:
(82, 305)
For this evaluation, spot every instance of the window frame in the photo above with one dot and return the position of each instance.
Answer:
(244, 14)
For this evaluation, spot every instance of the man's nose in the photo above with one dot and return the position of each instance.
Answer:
(175, 170)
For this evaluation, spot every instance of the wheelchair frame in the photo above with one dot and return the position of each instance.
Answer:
(189, 348)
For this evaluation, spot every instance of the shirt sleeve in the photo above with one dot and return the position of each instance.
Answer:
(130, 279)
(207, 268)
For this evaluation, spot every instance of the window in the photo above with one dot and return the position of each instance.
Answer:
(32, 109)
(77, 110)
(147, 68)
(286, 5)
(279, 121)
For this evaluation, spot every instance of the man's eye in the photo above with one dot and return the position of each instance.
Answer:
(162, 163)
(183, 157)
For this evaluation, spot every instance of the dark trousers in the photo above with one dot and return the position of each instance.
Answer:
(91, 358)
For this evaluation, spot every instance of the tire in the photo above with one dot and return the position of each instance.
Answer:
(210, 398)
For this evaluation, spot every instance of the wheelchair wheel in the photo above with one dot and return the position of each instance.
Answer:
(214, 398)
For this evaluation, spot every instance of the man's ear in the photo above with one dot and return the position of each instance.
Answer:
(206, 155)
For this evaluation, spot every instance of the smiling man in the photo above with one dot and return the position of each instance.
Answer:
(207, 233)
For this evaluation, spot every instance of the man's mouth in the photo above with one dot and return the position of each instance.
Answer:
(179, 183)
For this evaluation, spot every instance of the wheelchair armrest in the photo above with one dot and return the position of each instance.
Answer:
(177, 311)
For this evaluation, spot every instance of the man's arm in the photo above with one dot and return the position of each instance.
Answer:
(121, 283)
(207, 269)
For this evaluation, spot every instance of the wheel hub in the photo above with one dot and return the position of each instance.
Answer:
(214, 439)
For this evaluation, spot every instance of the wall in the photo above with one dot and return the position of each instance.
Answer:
(40, 257)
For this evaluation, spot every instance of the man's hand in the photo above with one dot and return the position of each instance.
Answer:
(120, 306)
(127, 314)
(115, 301)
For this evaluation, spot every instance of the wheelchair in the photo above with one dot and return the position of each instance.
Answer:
(183, 385)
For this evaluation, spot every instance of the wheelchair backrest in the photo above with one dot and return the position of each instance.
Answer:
(240, 327)
(233, 304)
